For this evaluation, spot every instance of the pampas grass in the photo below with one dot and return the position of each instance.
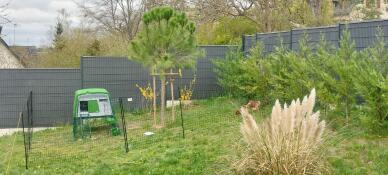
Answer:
(289, 142)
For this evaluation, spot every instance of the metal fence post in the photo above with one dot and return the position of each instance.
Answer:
(291, 39)
(122, 112)
(256, 38)
(339, 35)
(30, 119)
(24, 141)
(82, 72)
(180, 106)
(32, 111)
(243, 43)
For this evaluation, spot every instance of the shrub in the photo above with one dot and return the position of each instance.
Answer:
(243, 76)
(371, 77)
(350, 82)
(289, 74)
(289, 142)
(338, 75)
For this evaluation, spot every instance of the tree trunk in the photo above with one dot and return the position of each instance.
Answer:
(267, 12)
(162, 99)
(172, 97)
(154, 99)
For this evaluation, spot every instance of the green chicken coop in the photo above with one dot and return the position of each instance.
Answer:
(92, 104)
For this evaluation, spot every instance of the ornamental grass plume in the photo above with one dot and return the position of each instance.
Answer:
(289, 142)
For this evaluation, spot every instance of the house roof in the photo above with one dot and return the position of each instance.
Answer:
(6, 45)
(12, 52)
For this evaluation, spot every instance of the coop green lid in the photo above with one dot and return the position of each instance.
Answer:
(90, 91)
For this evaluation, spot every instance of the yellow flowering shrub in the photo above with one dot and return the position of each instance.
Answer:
(187, 92)
(146, 92)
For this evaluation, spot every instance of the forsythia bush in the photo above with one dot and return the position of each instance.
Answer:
(187, 92)
(146, 92)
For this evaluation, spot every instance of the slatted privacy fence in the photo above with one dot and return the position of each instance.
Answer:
(53, 89)
(362, 33)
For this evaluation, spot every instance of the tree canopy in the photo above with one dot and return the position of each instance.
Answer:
(166, 40)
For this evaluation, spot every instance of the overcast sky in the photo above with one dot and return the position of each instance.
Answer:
(34, 18)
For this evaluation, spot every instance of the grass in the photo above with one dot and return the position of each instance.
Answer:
(211, 146)
(209, 132)
(362, 154)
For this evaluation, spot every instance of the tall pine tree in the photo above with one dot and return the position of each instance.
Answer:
(59, 42)
(165, 42)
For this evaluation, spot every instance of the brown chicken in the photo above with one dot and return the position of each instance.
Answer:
(253, 105)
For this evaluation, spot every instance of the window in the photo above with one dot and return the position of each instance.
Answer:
(83, 106)
(93, 106)
(90, 106)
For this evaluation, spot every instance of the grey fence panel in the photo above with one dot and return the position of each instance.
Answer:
(52, 89)
(120, 76)
(363, 34)
(116, 74)
(270, 41)
(313, 36)
(206, 84)
(248, 41)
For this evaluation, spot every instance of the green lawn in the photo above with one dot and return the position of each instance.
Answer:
(212, 144)
(361, 155)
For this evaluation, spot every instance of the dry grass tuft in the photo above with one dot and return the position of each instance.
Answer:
(289, 142)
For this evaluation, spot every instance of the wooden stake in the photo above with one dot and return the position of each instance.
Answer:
(162, 94)
(172, 97)
(154, 99)
(162, 99)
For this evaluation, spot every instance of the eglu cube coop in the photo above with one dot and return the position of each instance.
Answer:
(92, 104)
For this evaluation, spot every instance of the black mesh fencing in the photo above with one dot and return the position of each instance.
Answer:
(193, 134)
(74, 144)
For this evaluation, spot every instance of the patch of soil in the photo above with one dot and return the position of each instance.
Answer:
(157, 126)
(133, 126)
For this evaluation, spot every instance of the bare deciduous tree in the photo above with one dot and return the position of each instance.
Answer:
(122, 16)
(268, 15)
(115, 16)
(258, 11)
(212, 10)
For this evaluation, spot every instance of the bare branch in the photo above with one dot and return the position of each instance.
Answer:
(3, 13)
(115, 16)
